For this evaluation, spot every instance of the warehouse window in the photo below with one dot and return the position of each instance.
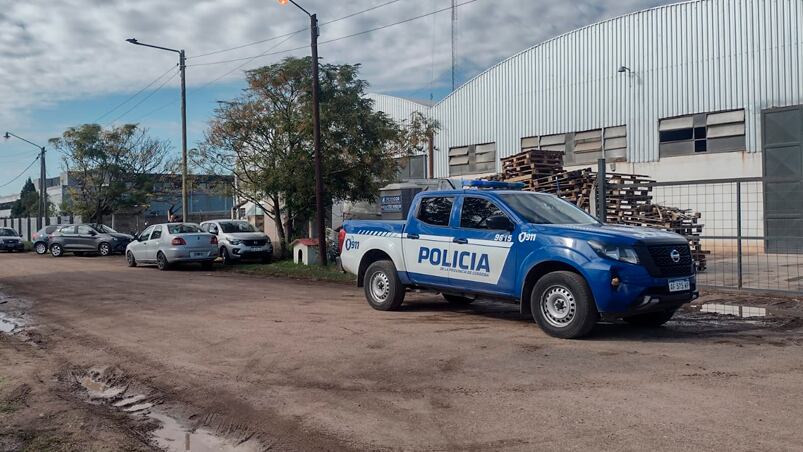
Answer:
(412, 167)
(586, 147)
(473, 159)
(702, 133)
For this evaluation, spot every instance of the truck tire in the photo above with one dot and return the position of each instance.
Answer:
(651, 319)
(457, 300)
(383, 289)
(563, 306)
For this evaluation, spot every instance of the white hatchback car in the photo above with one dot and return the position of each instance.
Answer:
(239, 239)
(172, 243)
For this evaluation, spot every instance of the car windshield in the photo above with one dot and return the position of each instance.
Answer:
(182, 228)
(7, 233)
(230, 227)
(540, 208)
(103, 228)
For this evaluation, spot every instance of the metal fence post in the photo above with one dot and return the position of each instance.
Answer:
(739, 233)
(602, 191)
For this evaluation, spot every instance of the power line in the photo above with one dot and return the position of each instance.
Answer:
(167, 104)
(20, 174)
(359, 33)
(96, 121)
(348, 16)
(143, 99)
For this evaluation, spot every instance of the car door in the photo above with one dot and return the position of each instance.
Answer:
(483, 246)
(427, 241)
(85, 238)
(152, 246)
(138, 246)
(68, 238)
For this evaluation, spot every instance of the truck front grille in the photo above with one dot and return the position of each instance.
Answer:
(665, 265)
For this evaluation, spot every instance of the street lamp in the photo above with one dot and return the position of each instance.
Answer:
(316, 131)
(182, 67)
(40, 221)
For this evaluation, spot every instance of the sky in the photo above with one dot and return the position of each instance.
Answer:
(67, 63)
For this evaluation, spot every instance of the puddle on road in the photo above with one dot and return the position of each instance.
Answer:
(8, 324)
(734, 310)
(172, 435)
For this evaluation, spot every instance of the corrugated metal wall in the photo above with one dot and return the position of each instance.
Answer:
(693, 57)
(397, 108)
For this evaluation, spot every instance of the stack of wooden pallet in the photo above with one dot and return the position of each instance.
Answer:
(625, 195)
(574, 186)
(531, 164)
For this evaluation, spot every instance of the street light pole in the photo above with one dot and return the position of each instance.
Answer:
(316, 132)
(41, 220)
(183, 69)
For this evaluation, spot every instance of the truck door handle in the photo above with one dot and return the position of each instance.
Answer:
(460, 241)
(412, 236)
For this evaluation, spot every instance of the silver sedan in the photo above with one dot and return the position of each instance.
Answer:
(172, 243)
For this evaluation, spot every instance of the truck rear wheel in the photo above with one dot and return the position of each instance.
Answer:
(651, 319)
(563, 306)
(383, 289)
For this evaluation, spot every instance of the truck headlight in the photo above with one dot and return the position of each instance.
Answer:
(234, 242)
(615, 252)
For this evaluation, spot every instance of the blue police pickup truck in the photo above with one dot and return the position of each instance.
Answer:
(557, 262)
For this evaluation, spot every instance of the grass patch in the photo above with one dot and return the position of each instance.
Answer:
(7, 407)
(289, 269)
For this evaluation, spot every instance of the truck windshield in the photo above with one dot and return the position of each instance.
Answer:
(540, 208)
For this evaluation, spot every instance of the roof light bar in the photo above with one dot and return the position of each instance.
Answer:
(493, 185)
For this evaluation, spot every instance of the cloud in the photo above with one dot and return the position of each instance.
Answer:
(60, 51)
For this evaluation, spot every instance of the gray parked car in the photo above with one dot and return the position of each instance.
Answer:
(172, 243)
(87, 239)
(239, 239)
(10, 240)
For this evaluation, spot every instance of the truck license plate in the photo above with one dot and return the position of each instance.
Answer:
(679, 285)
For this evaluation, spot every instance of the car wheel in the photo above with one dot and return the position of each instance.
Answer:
(129, 256)
(563, 306)
(457, 300)
(40, 248)
(224, 253)
(56, 250)
(161, 261)
(651, 319)
(383, 289)
(104, 249)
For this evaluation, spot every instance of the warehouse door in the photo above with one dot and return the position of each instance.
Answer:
(783, 179)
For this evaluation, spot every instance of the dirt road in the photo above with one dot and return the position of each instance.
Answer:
(304, 365)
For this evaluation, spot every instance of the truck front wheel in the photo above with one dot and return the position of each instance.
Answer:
(563, 306)
(383, 289)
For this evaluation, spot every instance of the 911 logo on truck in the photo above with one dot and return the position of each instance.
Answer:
(351, 245)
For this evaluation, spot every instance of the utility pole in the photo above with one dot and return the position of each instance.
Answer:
(41, 220)
(454, 19)
(183, 69)
(316, 132)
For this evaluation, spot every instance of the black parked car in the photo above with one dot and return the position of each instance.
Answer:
(88, 239)
(41, 238)
(10, 240)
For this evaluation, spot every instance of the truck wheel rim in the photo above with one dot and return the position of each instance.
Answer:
(380, 286)
(558, 306)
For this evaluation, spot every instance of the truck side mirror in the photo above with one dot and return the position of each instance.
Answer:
(500, 223)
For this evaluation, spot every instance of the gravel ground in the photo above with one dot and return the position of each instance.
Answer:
(308, 365)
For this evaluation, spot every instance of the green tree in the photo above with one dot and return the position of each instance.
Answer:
(109, 169)
(264, 138)
(28, 204)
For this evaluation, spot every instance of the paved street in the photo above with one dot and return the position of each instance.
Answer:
(308, 365)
